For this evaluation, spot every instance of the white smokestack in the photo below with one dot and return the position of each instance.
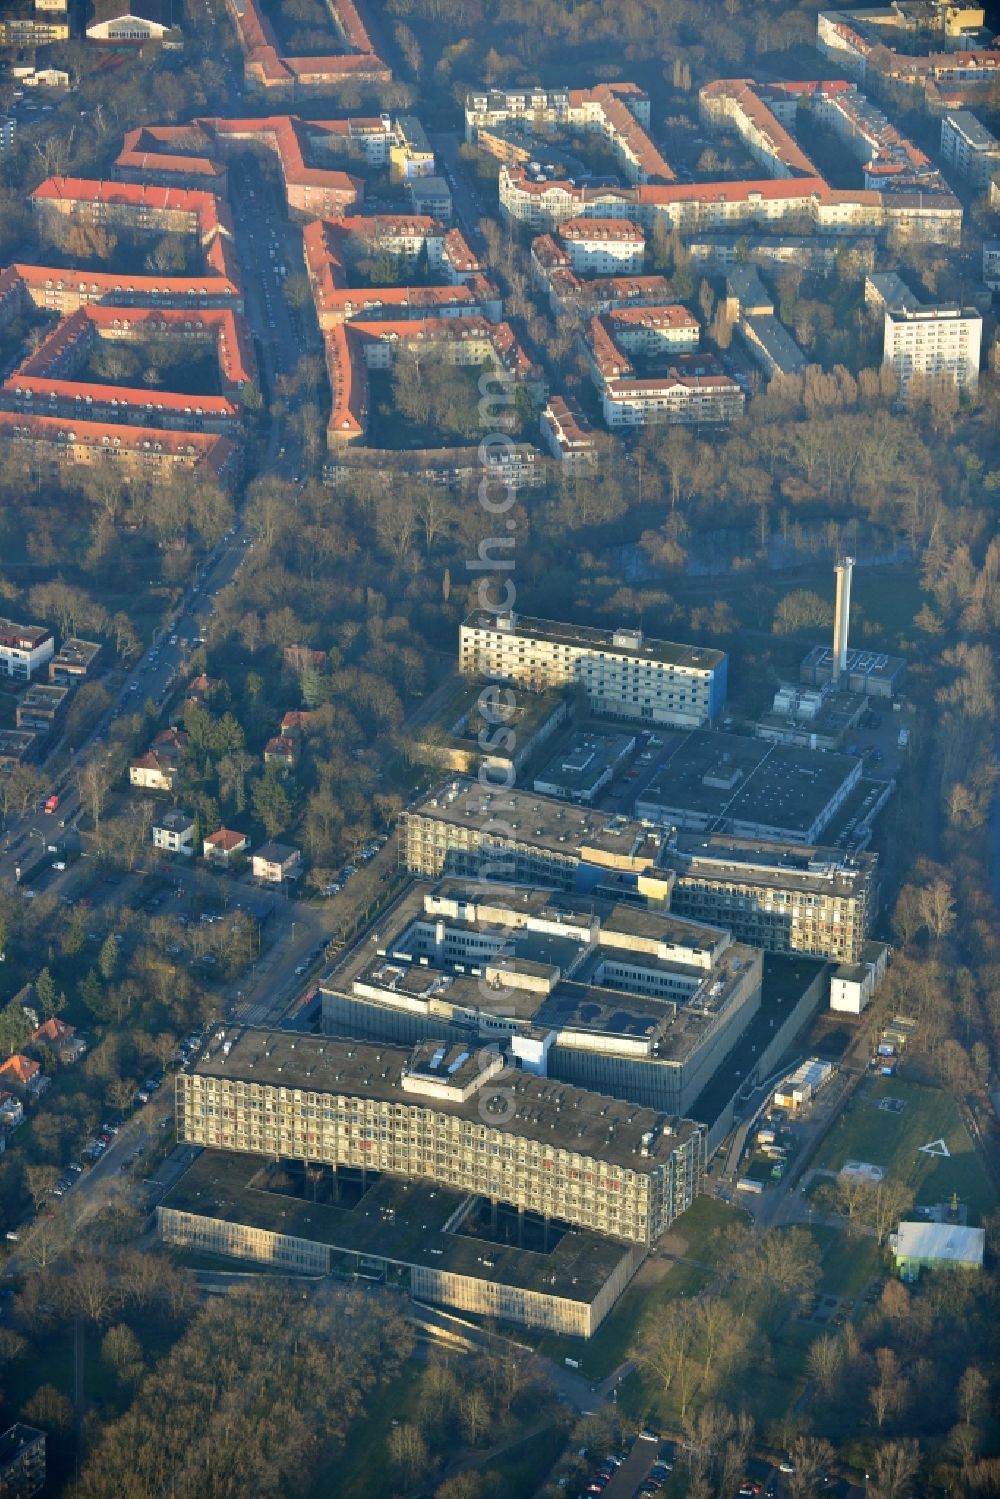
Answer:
(842, 616)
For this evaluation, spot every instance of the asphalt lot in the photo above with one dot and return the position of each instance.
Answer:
(635, 1469)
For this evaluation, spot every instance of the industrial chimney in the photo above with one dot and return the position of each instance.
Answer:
(842, 616)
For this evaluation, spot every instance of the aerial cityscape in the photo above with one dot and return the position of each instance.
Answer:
(499, 786)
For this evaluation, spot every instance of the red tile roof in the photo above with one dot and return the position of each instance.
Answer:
(147, 444)
(129, 403)
(288, 137)
(94, 285)
(20, 1067)
(67, 346)
(53, 1030)
(209, 213)
(597, 229)
(226, 840)
(349, 385)
(674, 316)
(267, 65)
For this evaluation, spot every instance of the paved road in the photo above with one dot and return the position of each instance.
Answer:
(466, 193)
(260, 225)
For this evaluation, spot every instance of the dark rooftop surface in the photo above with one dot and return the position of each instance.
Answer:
(579, 936)
(570, 1118)
(696, 657)
(734, 778)
(525, 817)
(785, 981)
(400, 1220)
(784, 866)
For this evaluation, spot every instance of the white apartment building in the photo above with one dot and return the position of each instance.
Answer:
(23, 649)
(933, 341)
(853, 984)
(604, 247)
(174, 833)
(624, 674)
(969, 147)
(568, 435)
(7, 127)
(681, 399)
(991, 263)
(620, 112)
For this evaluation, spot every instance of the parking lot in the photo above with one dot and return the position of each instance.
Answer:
(644, 1470)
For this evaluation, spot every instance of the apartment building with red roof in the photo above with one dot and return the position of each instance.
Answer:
(692, 389)
(56, 289)
(136, 451)
(355, 347)
(458, 257)
(326, 248)
(14, 299)
(46, 381)
(116, 404)
(905, 200)
(349, 387)
(171, 156)
(602, 247)
(685, 394)
(268, 69)
(568, 434)
(618, 112)
(134, 206)
(653, 330)
(309, 189)
(879, 41)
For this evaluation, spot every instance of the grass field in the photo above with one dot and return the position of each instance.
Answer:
(849, 1264)
(701, 1226)
(893, 1141)
(524, 1468)
(767, 1386)
(361, 1472)
(696, 1235)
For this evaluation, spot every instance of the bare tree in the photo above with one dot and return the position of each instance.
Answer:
(93, 783)
(894, 1468)
(825, 1361)
(812, 1458)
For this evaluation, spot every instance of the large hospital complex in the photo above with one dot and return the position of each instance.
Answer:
(514, 1079)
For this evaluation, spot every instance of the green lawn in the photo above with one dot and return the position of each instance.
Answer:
(361, 1472)
(702, 1225)
(767, 1384)
(777, 1383)
(696, 1235)
(866, 1133)
(524, 1469)
(849, 1264)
